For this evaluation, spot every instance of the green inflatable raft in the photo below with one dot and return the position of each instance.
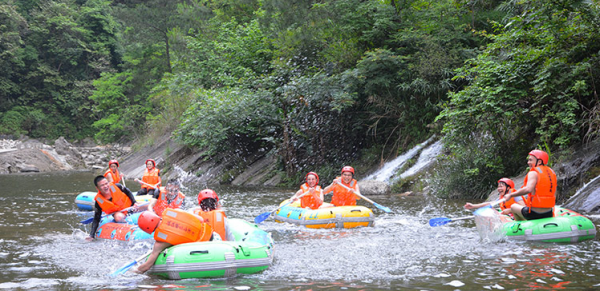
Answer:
(566, 226)
(250, 252)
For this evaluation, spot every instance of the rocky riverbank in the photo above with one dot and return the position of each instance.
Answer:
(30, 155)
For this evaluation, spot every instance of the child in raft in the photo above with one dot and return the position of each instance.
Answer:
(310, 193)
(210, 210)
(505, 186)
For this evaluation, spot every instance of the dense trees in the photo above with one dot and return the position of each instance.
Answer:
(53, 52)
(533, 86)
(318, 83)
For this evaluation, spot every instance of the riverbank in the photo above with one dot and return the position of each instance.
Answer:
(30, 155)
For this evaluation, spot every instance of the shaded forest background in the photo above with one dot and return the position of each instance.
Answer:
(320, 84)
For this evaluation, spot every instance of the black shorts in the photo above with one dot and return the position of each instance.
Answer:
(535, 215)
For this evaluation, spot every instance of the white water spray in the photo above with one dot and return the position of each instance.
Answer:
(388, 171)
(427, 157)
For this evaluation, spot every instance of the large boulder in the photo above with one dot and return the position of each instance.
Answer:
(373, 187)
(587, 198)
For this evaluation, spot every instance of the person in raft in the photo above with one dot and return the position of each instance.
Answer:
(210, 210)
(505, 186)
(112, 174)
(175, 227)
(310, 193)
(167, 197)
(540, 187)
(340, 186)
(151, 180)
(111, 198)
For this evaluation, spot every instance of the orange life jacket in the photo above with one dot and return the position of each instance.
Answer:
(178, 227)
(150, 177)
(116, 177)
(545, 189)
(343, 197)
(119, 201)
(509, 203)
(309, 200)
(216, 219)
(162, 203)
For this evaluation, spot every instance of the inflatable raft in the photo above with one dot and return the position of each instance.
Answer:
(85, 200)
(128, 231)
(250, 252)
(566, 226)
(333, 217)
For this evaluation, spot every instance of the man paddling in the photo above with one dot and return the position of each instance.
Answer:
(540, 182)
(345, 188)
(111, 198)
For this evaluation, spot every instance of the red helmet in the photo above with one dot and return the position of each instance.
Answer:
(148, 221)
(508, 182)
(150, 160)
(348, 169)
(540, 155)
(312, 173)
(113, 162)
(207, 193)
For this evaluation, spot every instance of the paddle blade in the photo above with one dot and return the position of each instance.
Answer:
(123, 269)
(87, 221)
(484, 211)
(386, 209)
(262, 217)
(439, 221)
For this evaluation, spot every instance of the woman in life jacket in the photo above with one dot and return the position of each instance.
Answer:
(310, 193)
(168, 197)
(341, 195)
(173, 227)
(505, 186)
(151, 180)
(210, 210)
(540, 188)
(112, 174)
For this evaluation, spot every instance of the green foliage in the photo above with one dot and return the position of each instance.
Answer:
(222, 120)
(10, 123)
(50, 57)
(525, 88)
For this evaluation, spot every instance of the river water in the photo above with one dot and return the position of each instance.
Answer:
(42, 247)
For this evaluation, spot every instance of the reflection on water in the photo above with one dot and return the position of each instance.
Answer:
(42, 247)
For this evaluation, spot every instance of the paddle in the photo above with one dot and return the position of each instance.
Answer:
(126, 268)
(386, 209)
(263, 216)
(443, 220)
(149, 185)
(89, 220)
(485, 208)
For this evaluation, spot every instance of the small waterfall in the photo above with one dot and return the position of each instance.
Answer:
(427, 157)
(388, 171)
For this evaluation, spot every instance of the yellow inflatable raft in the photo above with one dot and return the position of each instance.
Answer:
(332, 217)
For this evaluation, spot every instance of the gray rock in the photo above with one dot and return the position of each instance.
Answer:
(373, 187)
(26, 168)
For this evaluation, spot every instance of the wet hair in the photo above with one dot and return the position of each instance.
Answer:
(209, 204)
(173, 181)
(97, 180)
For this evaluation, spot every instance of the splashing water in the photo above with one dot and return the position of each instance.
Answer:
(489, 224)
(389, 169)
(427, 157)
